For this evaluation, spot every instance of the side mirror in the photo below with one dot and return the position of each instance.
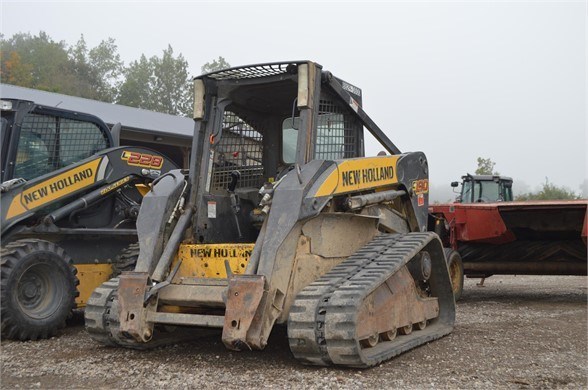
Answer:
(454, 184)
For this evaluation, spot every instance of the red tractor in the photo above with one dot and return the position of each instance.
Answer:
(486, 233)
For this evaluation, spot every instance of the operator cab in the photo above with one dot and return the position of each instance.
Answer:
(38, 140)
(267, 119)
(484, 188)
(259, 121)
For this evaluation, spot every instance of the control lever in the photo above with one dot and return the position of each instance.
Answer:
(235, 176)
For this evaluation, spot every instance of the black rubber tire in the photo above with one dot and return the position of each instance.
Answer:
(455, 267)
(126, 260)
(38, 289)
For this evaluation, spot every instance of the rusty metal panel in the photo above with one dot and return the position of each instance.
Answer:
(243, 299)
(132, 313)
(193, 295)
(208, 321)
(393, 305)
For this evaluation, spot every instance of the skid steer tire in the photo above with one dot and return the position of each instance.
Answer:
(126, 260)
(455, 267)
(38, 289)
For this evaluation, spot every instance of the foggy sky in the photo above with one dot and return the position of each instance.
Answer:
(457, 80)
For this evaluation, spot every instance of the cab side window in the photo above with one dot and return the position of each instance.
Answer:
(79, 140)
(36, 146)
(48, 143)
(338, 132)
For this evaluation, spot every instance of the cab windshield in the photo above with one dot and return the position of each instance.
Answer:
(482, 191)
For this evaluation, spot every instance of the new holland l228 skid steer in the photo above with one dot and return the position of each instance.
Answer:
(282, 220)
(69, 201)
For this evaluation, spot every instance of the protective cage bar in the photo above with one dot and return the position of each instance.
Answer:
(239, 149)
(255, 71)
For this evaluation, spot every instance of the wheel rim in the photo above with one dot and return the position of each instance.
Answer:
(389, 335)
(371, 341)
(406, 329)
(455, 276)
(421, 325)
(39, 295)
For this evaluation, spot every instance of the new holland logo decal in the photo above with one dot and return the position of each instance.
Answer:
(54, 188)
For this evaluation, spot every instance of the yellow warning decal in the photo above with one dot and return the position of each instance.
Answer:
(359, 174)
(208, 260)
(115, 185)
(420, 186)
(54, 188)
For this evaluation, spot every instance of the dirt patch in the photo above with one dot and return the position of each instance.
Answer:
(518, 332)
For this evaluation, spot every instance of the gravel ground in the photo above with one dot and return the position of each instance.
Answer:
(518, 332)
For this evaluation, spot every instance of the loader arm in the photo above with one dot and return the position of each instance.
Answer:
(40, 203)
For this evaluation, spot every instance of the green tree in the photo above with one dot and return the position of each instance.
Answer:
(14, 71)
(46, 60)
(40, 62)
(80, 67)
(171, 83)
(486, 167)
(98, 71)
(549, 192)
(215, 65)
(160, 84)
(106, 69)
(136, 89)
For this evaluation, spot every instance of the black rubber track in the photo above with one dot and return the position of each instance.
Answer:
(322, 322)
(126, 260)
(102, 322)
(101, 314)
(98, 313)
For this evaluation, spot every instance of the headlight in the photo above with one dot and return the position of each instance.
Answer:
(5, 105)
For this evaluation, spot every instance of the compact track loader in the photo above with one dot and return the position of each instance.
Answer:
(70, 197)
(282, 220)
